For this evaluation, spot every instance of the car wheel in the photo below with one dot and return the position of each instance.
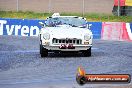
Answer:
(43, 51)
(40, 46)
(87, 53)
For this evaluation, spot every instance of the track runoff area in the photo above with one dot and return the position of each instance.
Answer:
(22, 66)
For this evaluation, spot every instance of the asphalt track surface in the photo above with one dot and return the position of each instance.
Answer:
(22, 67)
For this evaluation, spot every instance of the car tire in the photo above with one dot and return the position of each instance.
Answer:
(87, 53)
(40, 46)
(43, 51)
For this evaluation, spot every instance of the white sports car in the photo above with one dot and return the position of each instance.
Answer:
(65, 33)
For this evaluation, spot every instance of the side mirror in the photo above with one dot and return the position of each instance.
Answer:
(42, 24)
(87, 26)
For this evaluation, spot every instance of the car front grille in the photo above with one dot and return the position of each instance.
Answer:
(66, 41)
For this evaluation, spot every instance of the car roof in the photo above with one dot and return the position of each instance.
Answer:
(67, 16)
(58, 15)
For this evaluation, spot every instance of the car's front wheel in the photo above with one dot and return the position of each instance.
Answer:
(43, 51)
(87, 52)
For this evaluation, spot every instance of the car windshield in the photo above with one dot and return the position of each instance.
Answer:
(73, 21)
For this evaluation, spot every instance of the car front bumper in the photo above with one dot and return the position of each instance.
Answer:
(57, 48)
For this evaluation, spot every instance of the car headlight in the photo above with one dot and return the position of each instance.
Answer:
(87, 37)
(46, 36)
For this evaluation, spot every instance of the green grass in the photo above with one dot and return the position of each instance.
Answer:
(93, 17)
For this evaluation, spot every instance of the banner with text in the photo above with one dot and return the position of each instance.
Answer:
(100, 30)
(96, 28)
(27, 27)
(116, 31)
(23, 27)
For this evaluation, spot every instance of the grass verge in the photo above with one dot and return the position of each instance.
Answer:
(93, 17)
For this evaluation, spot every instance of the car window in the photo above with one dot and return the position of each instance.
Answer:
(73, 21)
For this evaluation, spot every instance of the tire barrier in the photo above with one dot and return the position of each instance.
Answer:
(101, 30)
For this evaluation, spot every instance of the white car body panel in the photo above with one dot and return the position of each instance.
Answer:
(66, 32)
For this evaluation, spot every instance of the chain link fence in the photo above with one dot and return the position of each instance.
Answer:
(65, 6)
(68, 6)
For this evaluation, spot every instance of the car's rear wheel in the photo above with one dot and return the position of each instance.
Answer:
(87, 53)
(43, 51)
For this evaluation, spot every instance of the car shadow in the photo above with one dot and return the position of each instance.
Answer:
(69, 54)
